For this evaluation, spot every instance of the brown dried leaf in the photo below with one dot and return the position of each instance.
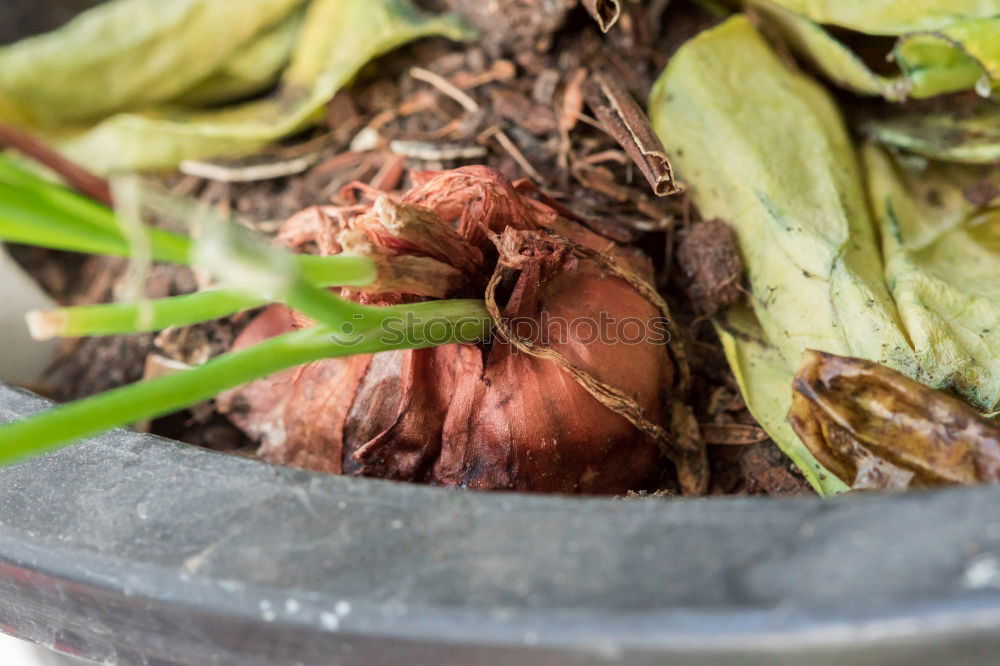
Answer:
(605, 12)
(876, 428)
(732, 434)
(626, 122)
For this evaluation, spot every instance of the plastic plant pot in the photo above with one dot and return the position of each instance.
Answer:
(130, 548)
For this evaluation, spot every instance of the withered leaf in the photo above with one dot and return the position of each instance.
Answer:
(732, 434)
(136, 116)
(943, 46)
(967, 131)
(605, 12)
(877, 428)
(628, 125)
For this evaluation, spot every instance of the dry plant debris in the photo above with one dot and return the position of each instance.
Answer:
(877, 428)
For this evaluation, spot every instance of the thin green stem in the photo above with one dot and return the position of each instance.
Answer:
(56, 195)
(152, 315)
(36, 212)
(419, 325)
(342, 270)
(329, 309)
(160, 313)
(26, 217)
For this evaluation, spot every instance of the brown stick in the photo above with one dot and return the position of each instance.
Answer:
(75, 175)
(629, 126)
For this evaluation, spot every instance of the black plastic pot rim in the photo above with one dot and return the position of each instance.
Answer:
(128, 547)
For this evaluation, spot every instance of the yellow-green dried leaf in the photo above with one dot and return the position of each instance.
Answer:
(941, 241)
(890, 17)
(337, 38)
(835, 60)
(960, 56)
(948, 47)
(766, 383)
(126, 54)
(764, 149)
(252, 69)
(960, 134)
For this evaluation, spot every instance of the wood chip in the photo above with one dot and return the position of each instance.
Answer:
(390, 174)
(247, 174)
(572, 100)
(432, 152)
(500, 70)
(512, 105)
(513, 151)
(709, 257)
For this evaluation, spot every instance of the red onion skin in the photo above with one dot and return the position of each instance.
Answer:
(476, 416)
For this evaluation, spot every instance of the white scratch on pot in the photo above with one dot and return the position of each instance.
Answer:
(303, 497)
(231, 585)
(142, 510)
(194, 562)
(395, 607)
(982, 573)
(396, 524)
(329, 620)
(501, 614)
(608, 650)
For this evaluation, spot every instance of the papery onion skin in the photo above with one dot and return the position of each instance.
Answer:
(479, 416)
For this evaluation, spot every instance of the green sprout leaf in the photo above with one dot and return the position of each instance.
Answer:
(151, 315)
(35, 211)
(395, 327)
